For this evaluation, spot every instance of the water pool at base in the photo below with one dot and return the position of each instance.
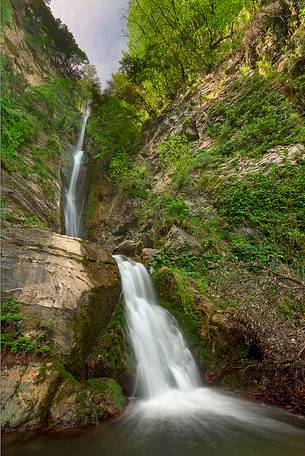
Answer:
(155, 428)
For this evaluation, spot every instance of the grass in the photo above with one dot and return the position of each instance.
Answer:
(49, 111)
(6, 13)
(273, 203)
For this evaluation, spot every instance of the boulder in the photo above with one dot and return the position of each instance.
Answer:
(77, 405)
(181, 240)
(127, 248)
(148, 254)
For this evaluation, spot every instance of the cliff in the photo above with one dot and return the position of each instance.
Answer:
(58, 294)
(200, 176)
(213, 200)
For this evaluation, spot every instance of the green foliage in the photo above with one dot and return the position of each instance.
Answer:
(243, 350)
(198, 160)
(49, 36)
(10, 311)
(253, 253)
(253, 117)
(47, 110)
(166, 208)
(115, 126)
(177, 294)
(11, 335)
(16, 343)
(292, 308)
(6, 13)
(33, 220)
(275, 203)
(172, 150)
(17, 127)
(113, 354)
(118, 166)
(169, 40)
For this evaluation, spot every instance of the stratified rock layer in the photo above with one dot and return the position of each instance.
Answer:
(70, 287)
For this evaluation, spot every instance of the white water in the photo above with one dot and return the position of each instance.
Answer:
(164, 361)
(72, 213)
(166, 374)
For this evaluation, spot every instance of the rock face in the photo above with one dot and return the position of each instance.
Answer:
(55, 276)
(71, 287)
(27, 197)
(24, 397)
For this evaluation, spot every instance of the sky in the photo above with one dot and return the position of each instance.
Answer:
(98, 27)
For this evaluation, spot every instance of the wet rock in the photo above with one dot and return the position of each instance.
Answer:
(25, 395)
(78, 405)
(191, 132)
(128, 248)
(218, 319)
(246, 231)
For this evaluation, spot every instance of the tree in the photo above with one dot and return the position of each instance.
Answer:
(53, 39)
(169, 40)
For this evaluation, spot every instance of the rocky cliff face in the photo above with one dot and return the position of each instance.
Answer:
(59, 295)
(211, 202)
(40, 120)
(67, 291)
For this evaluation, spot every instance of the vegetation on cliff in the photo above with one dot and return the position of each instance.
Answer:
(218, 185)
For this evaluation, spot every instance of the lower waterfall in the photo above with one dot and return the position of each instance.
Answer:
(164, 361)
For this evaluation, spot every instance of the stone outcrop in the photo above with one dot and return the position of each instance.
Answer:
(56, 277)
(25, 396)
(70, 287)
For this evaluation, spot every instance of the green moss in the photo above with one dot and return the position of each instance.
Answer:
(292, 308)
(91, 203)
(98, 386)
(178, 295)
(112, 350)
(6, 13)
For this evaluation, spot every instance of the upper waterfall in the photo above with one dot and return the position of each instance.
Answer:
(73, 210)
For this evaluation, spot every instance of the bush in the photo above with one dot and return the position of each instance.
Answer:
(172, 150)
(274, 203)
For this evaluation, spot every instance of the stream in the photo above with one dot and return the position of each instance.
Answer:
(171, 412)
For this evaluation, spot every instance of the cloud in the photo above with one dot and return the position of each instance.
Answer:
(99, 29)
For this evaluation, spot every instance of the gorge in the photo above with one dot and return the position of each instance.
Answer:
(153, 281)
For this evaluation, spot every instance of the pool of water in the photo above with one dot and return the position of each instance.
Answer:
(228, 427)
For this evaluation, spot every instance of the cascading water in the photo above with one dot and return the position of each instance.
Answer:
(177, 415)
(164, 361)
(72, 210)
(173, 401)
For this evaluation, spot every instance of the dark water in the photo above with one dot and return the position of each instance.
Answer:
(138, 433)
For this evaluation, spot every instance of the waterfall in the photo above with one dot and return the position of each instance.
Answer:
(173, 399)
(164, 361)
(72, 210)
